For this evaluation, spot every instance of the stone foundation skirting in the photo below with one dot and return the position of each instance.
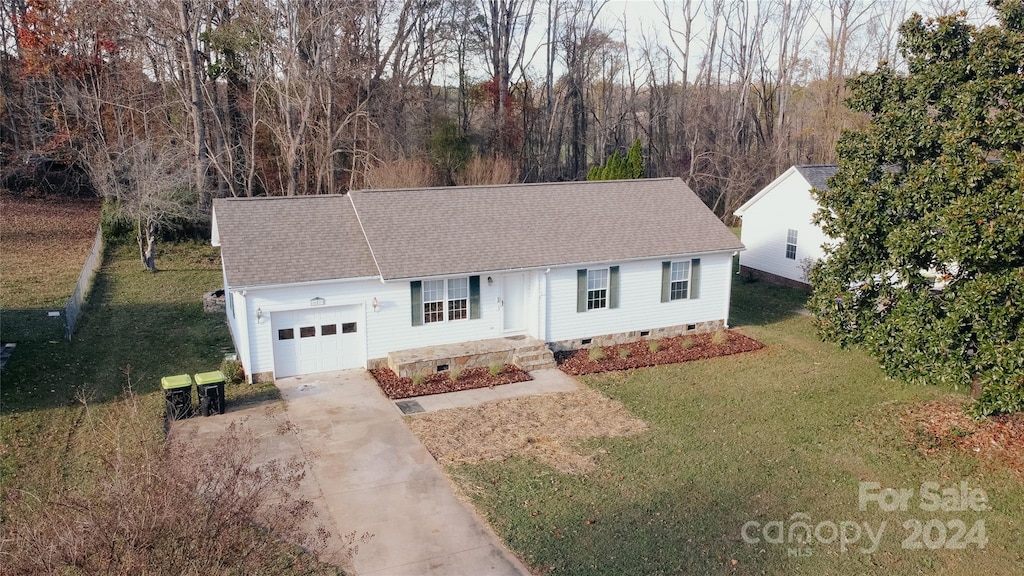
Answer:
(260, 377)
(773, 278)
(635, 335)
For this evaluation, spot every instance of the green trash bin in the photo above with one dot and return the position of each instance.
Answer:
(178, 396)
(211, 392)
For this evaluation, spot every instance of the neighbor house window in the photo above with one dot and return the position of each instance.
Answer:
(680, 280)
(445, 300)
(597, 289)
(679, 287)
(458, 298)
(791, 244)
(433, 301)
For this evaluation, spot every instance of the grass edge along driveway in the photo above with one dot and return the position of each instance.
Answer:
(779, 436)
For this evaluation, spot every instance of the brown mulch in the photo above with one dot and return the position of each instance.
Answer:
(397, 388)
(942, 425)
(669, 351)
(547, 428)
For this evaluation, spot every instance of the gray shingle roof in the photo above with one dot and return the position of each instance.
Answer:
(425, 232)
(818, 174)
(291, 239)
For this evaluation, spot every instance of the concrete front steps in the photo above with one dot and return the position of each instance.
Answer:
(527, 353)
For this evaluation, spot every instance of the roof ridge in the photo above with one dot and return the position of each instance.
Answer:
(517, 185)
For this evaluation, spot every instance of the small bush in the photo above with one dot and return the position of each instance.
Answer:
(596, 354)
(454, 374)
(686, 343)
(720, 337)
(496, 368)
(624, 352)
(654, 346)
(232, 371)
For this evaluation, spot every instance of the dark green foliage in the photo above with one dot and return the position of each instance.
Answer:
(933, 189)
(618, 167)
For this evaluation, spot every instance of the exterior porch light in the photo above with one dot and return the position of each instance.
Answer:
(375, 304)
(259, 315)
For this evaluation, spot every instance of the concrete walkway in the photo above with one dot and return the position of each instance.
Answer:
(368, 473)
(544, 382)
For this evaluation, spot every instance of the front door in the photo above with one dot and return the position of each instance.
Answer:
(513, 296)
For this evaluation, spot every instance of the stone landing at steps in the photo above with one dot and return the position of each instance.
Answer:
(525, 352)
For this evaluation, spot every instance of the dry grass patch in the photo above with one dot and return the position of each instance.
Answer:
(45, 243)
(547, 428)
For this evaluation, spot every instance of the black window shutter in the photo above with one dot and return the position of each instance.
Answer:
(474, 297)
(613, 287)
(666, 281)
(581, 290)
(417, 302)
(694, 278)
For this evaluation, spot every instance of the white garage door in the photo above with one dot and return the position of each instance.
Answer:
(317, 340)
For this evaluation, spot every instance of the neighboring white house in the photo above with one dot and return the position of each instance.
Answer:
(780, 237)
(320, 283)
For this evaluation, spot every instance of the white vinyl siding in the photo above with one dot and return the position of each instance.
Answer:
(640, 305)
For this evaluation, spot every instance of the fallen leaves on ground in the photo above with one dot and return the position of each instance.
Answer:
(548, 428)
(943, 425)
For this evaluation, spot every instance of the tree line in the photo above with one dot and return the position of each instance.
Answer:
(256, 97)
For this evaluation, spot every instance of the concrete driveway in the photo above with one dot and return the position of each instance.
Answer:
(369, 474)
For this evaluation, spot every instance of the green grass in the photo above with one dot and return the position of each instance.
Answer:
(757, 437)
(137, 327)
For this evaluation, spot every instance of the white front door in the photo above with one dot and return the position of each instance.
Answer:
(513, 297)
(317, 340)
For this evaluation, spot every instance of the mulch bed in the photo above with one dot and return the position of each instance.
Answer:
(397, 388)
(655, 352)
(934, 427)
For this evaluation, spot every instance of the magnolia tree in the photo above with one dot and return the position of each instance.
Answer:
(928, 203)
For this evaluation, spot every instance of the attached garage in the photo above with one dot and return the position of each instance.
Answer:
(317, 340)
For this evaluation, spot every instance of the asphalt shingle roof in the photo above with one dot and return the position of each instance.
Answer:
(280, 239)
(818, 174)
(416, 233)
(426, 232)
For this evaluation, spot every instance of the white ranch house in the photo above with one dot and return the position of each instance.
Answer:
(322, 283)
(780, 237)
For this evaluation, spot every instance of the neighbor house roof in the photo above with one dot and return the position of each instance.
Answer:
(816, 175)
(416, 233)
(284, 239)
(440, 231)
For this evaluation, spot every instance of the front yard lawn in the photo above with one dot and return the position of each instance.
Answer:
(783, 435)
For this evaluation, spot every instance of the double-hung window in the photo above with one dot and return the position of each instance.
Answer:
(597, 288)
(433, 301)
(791, 244)
(458, 298)
(445, 300)
(680, 280)
(679, 288)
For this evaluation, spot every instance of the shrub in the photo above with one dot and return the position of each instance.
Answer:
(496, 368)
(720, 337)
(232, 371)
(596, 354)
(175, 509)
(624, 352)
(454, 373)
(686, 343)
(654, 346)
